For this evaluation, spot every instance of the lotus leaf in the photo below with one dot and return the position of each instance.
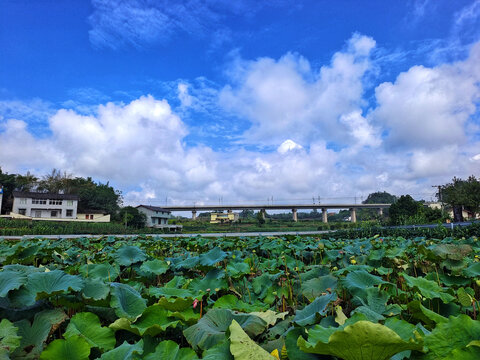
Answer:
(52, 282)
(9, 340)
(362, 340)
(244, 348)
(212, 257)
(428, 288)
(126, 301)
(169, 350)
(73, 348)
(128, 255)
(319, 286)
(11, 280)
(312, 312)
(87, 325)
(125, 351)
(154, 267)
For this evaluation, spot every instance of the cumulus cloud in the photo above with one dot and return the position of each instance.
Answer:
(429, 107)
(287, 96)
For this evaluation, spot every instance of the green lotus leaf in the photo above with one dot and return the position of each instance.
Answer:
(172, 293)
(169, 350)
(128, 255)
(428, 288)
(95, 289)
(357, 281)
(237, 269)
(316, 287)
(35, 334)
(154, 267)
(188, 316)
(315, 272)
(125, 351)
(212, 257)
(375, 304)
(473, 270)
(219, 351)
(422, 313)
(452, 336)
(452, 251)
(210, 329)
(293, 351)
(269, 316)
(311, 313)
(362, 340)
(11, 280)
(87, 325)
(52, 282)
(210, 283)
(154, 320)
(233, 303)
(105, 271)
(176, 304)
(73, 348)
(188, 263)
(126, 301)
(244, 348)
(9, 340)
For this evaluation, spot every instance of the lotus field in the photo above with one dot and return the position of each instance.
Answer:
(240, 298)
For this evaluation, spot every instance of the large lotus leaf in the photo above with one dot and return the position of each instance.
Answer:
(362, 340)
(269, 316)
(219, 351)
(188, 316)
(11, 280)
(95, 288)
(169, 350)
(233, 303)
(53, 281)
(169, 293)
(154, 267)
(175, 304)
(153, 321)
(188, 263)
(293, 351)
(212, 257)
(422, 313)
(126, 301)
(105, 271)
(375, 304)
(212, 282)
(74, 348)
(312, 312)
(125, 351)
(237, 269)
(428, 288)
(357, 281)
(406, 331)
(87, 325)
(452, 335)
(244, 348)
(314, 272)
(128, 255)
(452, 251)
(473, 270)
(35, 334)
(316, 287)
(210, 329)
(9, 340)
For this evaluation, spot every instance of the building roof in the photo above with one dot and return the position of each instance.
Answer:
(38, 195)
(153, 208)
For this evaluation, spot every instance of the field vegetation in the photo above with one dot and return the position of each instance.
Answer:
(370, 297)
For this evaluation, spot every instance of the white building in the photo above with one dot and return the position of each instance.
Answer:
(45, 206)
(156, 216)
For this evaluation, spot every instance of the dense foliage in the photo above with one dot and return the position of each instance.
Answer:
(461, 194)
(240, 298)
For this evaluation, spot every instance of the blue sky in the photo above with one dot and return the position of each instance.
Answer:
(197, 100)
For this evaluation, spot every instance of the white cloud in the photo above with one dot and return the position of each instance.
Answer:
(429, 107)
(287, 96)
(183, 95)
(288, 145)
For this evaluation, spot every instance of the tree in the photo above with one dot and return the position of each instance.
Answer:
(245, 214)
(461, 194)
(130, 216)
(405, 207)
(380, 198)
(260, 218)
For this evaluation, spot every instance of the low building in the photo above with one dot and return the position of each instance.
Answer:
(156, 216)
(221, 217)
(45, 206)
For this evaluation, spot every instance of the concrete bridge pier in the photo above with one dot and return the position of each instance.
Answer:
(194, 215)
(380, 211)
(324, 215)
(294, 214)
(353, 215)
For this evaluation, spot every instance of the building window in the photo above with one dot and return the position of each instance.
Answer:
(53, 213)
(86, 216)
(39, 202)
(55, 202)
(69, 213)
(23, 201)
(91, 217)
(69, 202)
(38, 213)
(22, 211)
